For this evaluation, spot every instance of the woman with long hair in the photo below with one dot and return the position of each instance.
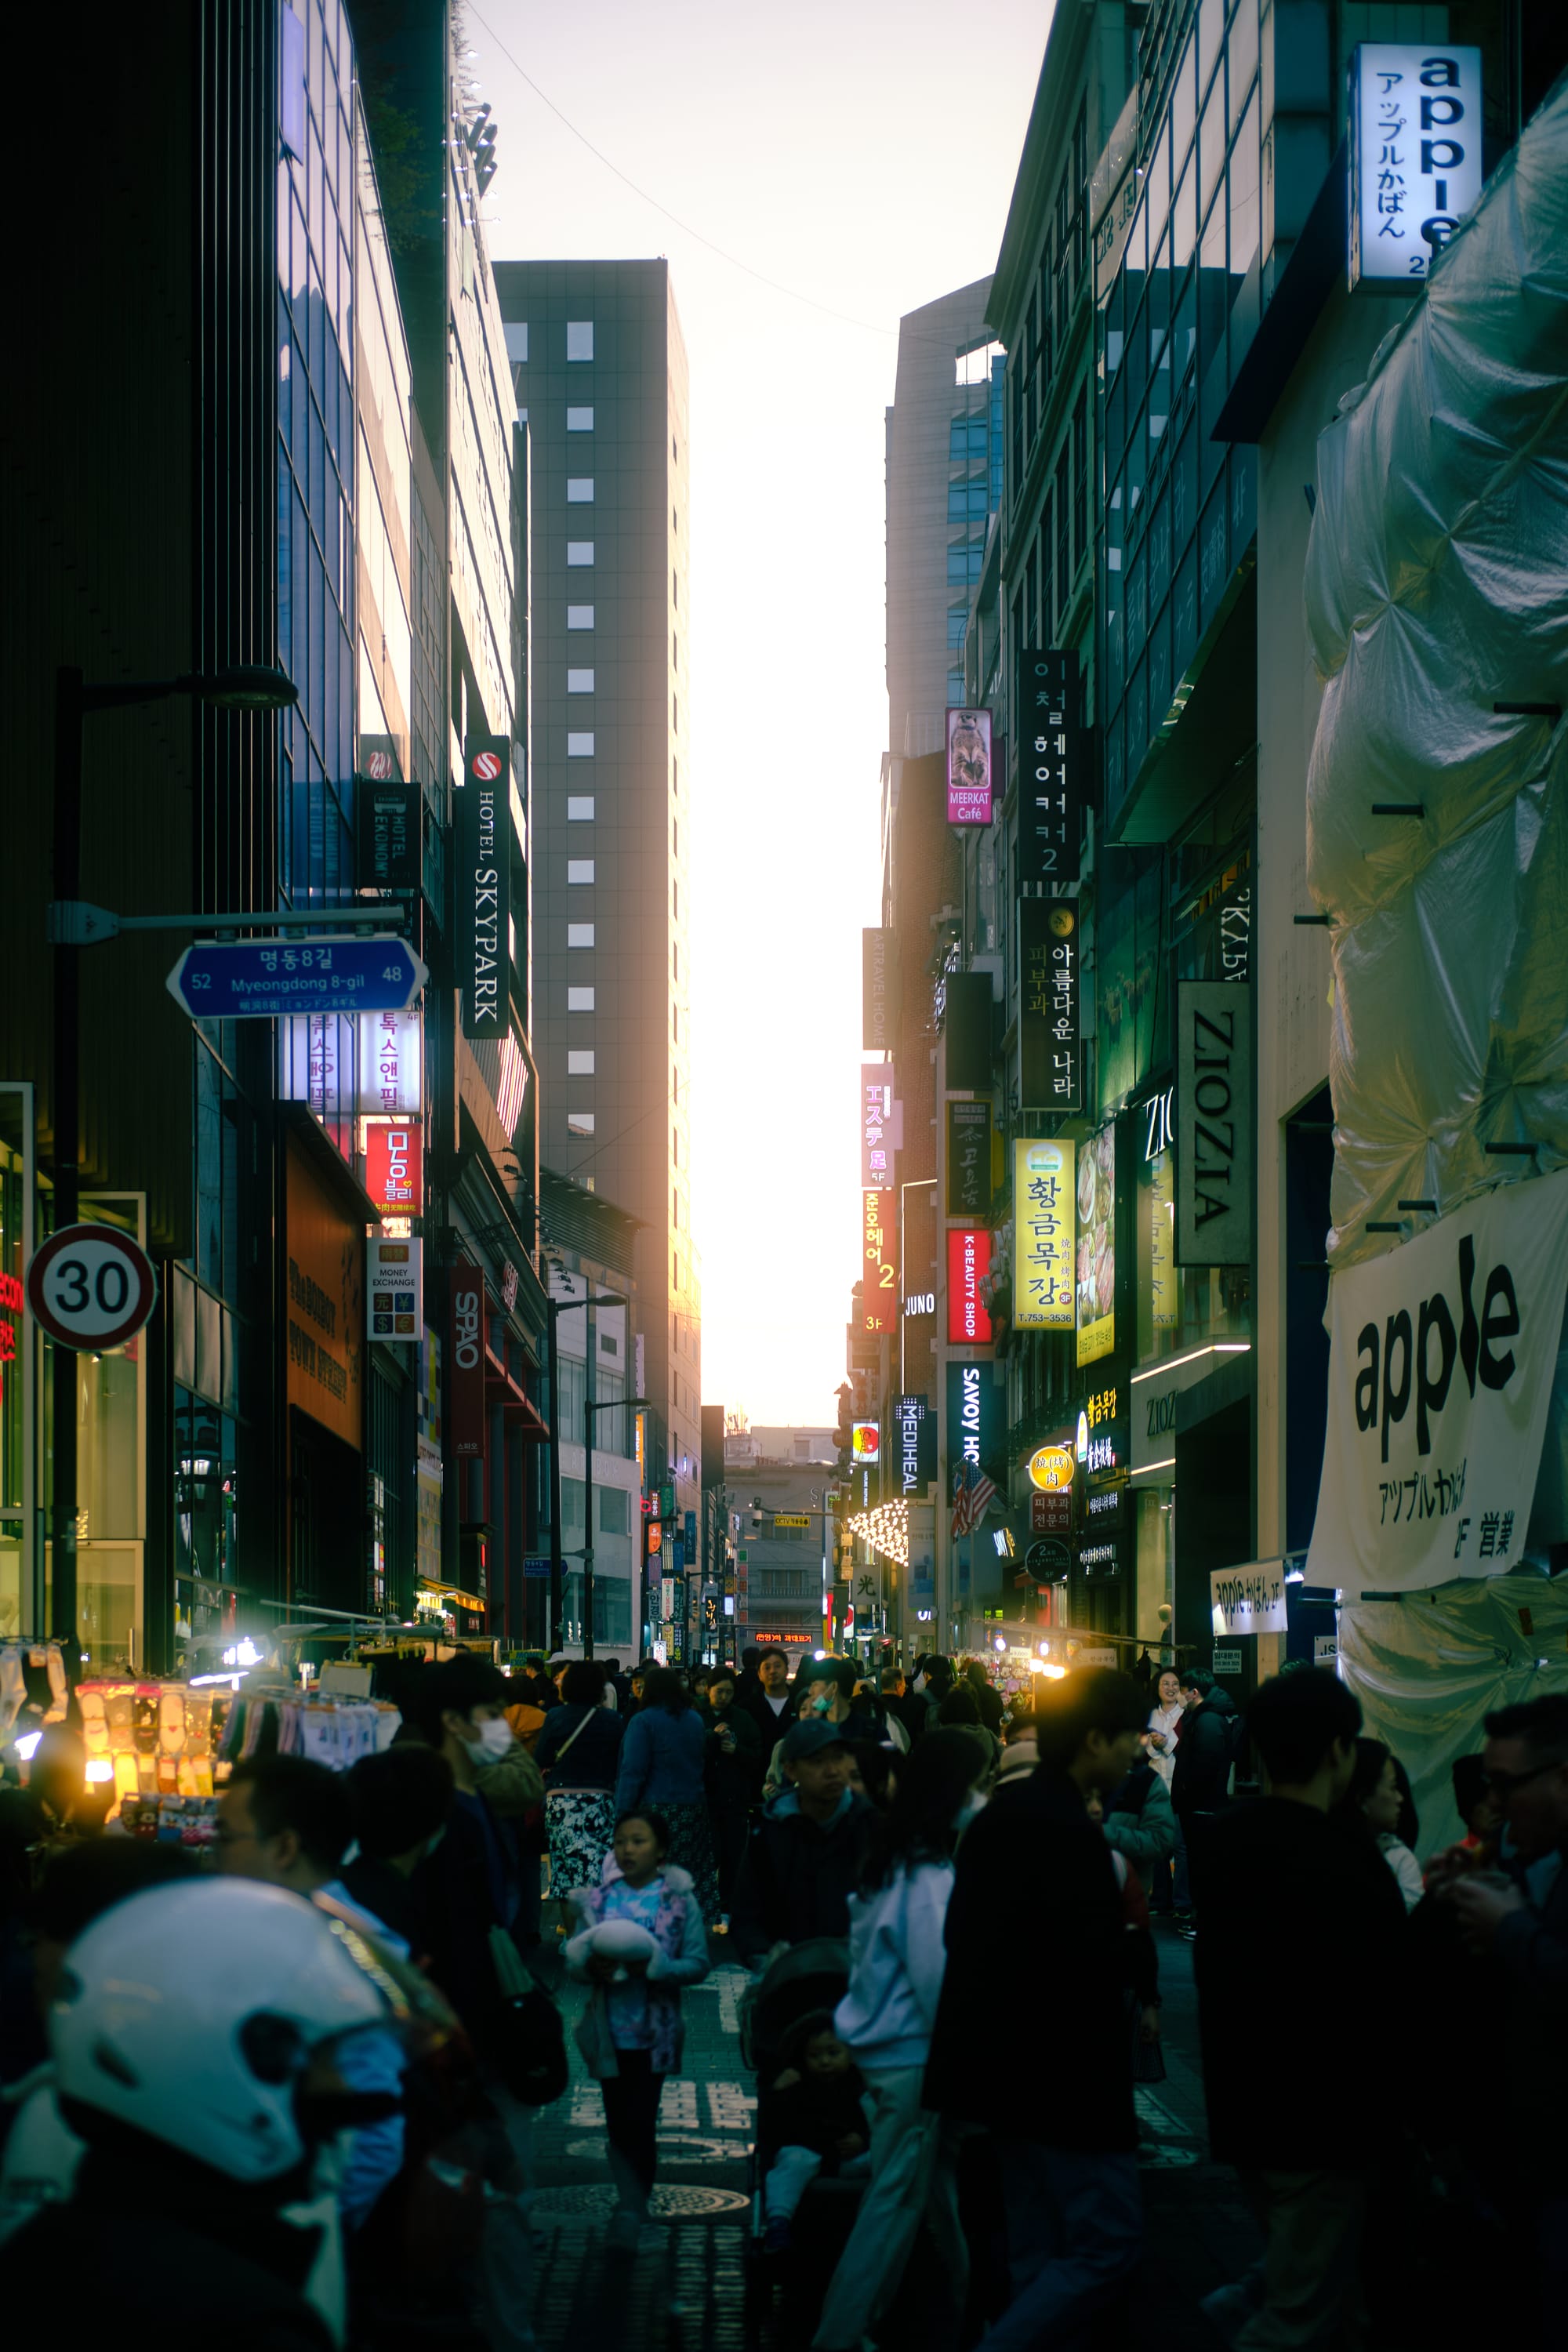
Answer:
(1379, 1796)
(662, 1756)
(578, 1751)
(896, 1959)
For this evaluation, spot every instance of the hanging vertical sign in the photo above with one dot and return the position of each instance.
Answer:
(879, 1272)
(879, 990)
(1048, 1005)
(877, 1146)
(387, 816)
(1213, 1122)
(391, 1063)
(1045, 1226)
(968, 1263)
(483, 885)
(1052, 759)
(969, 767)
(969, 1160)
(466, 1384)
(1416, 157)
(916, 1444)
(393, 1166)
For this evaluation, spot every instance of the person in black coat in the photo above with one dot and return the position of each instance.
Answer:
(766, 1697)
(802, 1856)
(1036, 1909)
(987, 1697)
(1292, 1895)
(1206, 1751)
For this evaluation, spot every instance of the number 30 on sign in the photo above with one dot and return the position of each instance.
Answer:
(91, 1287)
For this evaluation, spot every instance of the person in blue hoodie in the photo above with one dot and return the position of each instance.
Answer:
(662, 1758)
(896, 1962)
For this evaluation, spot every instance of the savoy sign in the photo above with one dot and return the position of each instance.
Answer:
(1441, 1359)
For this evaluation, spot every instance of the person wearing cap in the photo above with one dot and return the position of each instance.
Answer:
(803, 1857)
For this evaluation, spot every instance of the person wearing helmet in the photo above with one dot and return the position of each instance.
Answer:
(196, 2031)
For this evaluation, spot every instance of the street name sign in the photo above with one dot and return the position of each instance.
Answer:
(229, 980)
(90, 1288)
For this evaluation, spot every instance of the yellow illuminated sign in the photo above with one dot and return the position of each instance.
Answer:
(1051, 1468)
(1045, 1222)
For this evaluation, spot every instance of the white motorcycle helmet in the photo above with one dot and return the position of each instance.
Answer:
(192, 2012)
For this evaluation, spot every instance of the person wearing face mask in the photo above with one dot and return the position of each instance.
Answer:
(885, 2019)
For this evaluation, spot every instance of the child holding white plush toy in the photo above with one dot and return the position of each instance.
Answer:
(639, 1939)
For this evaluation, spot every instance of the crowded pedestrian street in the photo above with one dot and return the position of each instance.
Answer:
(784, 1178)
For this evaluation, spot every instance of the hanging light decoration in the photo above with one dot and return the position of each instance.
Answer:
(886, 1529)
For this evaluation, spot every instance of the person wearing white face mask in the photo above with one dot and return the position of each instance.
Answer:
(896, 1964)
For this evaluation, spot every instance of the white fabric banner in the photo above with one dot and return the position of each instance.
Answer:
(1441, 1369)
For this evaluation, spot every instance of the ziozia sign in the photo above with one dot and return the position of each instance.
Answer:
(1441, 1359)
(1212, 1123)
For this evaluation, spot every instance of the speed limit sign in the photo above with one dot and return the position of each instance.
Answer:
(91, 1287)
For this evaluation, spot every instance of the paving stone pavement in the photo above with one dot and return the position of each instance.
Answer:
(683, 2290)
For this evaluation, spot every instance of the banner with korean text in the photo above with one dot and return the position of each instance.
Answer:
(1442, 1355)
(1045, 1222)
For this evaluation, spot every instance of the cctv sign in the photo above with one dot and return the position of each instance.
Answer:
(1415, 158)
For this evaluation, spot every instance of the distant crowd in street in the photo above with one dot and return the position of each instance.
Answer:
(329, 2052)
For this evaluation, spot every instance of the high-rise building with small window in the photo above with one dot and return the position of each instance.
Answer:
(599, 372)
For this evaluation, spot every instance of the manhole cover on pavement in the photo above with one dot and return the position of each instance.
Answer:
(689, 2149)
(675, 2204)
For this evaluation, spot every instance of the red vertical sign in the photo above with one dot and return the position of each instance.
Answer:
(466, 1399)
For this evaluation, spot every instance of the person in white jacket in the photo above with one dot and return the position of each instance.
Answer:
(896, 1960)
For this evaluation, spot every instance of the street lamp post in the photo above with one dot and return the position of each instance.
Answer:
(248, 687)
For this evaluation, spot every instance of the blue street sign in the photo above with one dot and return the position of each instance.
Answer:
(228, 980)
(691, 1533)
(533, 1566)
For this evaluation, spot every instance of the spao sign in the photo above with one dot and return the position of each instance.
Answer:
(1441, 1360)
(1415, 158)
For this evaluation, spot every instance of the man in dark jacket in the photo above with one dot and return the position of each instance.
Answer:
(1294, 1896)
(801, 1861)
(1206, 1750)
(1035, 1905)
(765, 1697)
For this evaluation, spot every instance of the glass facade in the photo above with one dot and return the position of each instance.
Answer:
(974, 465)
(1180, 507)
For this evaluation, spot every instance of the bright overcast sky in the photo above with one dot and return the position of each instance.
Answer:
(861, 152)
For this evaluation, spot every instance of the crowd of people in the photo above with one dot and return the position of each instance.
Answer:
(314, 2066)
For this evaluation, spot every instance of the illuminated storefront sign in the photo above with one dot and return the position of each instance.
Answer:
(1101, 1441)
(875, 1121)
(1049, 1060)
(878, 1273)
(1097, 1247)
(393, 1160)
(865, 1442)
(1416, 157)
(969, 767)
(391, 1063)
(1051, 1468)
(482, 830)
(968, 1263)
(394, 1289)
(1045, 1226)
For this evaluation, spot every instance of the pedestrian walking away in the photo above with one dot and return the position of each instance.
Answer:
(640, 1937)
(896, 1964)
(579, 1753)
(661, 1764)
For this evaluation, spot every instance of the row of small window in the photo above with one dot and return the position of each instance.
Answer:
(579, 339)
(964, 565)
(968, 501)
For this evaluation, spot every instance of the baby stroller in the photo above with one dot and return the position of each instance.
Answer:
(803, 1977)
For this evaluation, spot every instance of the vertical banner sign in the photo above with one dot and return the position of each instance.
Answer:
(394, 1289)
(481, 823)
(1164, 1282)
(879, 990)
(388, 823)
(969, 767)
(1052, 760)
(1045, 1226)
(393, 1173)
(1212, 1121)
(969, 1160)
(878, 1273)
(875, 1122)
(916, 1444)
(976, 1420)
(968, 1263)
(1048, 1005)
(1415, 158)
(466, 1399)
(391, 1064)
(1096, 1246)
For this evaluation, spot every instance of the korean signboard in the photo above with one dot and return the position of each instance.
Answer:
(969, 767)
(916, 1444)
(394, 1169)
(1052, 759)
(879, 1271)
(1213, 1122)
(1101, 1444)
(391, 1063)
(877, 1145)
(1416, 157)
(481, 826)
(1096, 1246)
(1048, 1004)
(394, 1289)
(465, 1355)
(1044, 1200)
(1051, 1514)
(1441, 1356)
(969, 1160)
(968, 1263)
(879, 990)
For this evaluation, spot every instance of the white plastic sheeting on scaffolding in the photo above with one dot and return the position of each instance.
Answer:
(1436, 589)
(1427, 1669)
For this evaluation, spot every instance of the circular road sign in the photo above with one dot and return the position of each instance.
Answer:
(91, 1289)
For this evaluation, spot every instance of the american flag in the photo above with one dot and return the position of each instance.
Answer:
(972, 1495)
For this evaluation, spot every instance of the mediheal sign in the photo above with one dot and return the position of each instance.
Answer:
(1441, 1357)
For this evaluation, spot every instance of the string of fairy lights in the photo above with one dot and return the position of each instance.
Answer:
(886, 1529)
